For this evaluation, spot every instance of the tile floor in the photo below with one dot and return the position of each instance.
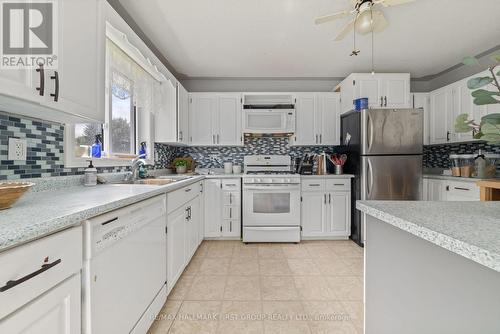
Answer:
(230, 287)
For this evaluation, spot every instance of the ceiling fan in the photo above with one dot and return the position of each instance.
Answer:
(363, 13)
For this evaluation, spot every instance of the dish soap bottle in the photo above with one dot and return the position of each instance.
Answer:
(90, 175)
(143, 150)
(97, 147)
(143, 173)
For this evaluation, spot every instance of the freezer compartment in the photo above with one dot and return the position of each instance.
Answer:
(391, 131)
(397, 178)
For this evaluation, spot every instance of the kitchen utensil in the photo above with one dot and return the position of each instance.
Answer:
(10, 192)
(339, 169)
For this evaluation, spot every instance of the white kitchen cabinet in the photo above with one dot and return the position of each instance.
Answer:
(435, 190)
(451, 190)
(166, 117)
(422, 100)
(325, 208)
(74, 90)
(223, 208)
(213, 203)
(41, 285)
(317, 119)
(182, 115)
(55, 312)
(313, 214)
(215, 119)
(192, 228)
(440, 116)
(383, 90)
(176, 245)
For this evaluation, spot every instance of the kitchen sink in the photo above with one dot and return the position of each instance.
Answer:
(156, 181)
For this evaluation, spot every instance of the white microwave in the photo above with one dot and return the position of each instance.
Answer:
(269, 121)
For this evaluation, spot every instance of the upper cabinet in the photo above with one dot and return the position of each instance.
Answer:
(446, 104)
(317, 119)
(73, 89)
(383, 90)
(215, 119)
(422, 100)
(182, 115)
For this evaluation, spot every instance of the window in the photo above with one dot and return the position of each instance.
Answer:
(134, 92)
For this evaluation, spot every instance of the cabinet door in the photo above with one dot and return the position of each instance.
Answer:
(80, 60)
(213, 207)
(166, 115)
(55, 312)
(306, 122)
(367, 85)
(228, 131)
(440, 115)
(20, 83)
(395, 88)
(338, 214)
(202, 108)
(176, 245)
(231, 228)
(192, 229)
(347, 94)
(329, 107)
(422, 100)
(461, 103)
(436, 189)
(313, 214)
(182, 114)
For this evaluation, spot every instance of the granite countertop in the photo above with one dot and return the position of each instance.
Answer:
(38, 214)
(469, 229)
(451, 178)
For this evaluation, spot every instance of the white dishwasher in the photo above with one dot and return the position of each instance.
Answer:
(125, 268)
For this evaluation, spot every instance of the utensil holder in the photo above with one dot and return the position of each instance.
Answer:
(339, 169)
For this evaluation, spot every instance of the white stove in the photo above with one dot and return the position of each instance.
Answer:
(271, 200)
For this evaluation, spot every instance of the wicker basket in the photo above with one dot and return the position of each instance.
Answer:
(10, 192)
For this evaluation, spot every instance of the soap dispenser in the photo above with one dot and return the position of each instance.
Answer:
(90, 175)
(97, 147)
(143, 150)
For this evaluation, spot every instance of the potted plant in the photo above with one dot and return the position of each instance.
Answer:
(489, 127)
(181, 166)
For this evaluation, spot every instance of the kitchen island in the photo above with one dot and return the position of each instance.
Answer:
(432, 267)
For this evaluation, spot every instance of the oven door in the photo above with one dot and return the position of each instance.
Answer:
(271, 205)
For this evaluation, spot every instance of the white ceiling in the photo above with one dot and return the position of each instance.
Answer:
(277, 38)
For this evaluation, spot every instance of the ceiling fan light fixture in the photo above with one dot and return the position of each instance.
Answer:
(364, 23)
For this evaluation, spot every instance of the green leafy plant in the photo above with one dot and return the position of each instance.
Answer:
(489, 127)
(180, 163)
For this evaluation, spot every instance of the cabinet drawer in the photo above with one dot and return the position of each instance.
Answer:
(231, 198)
(37, 267)
(313, 185)
(176, 198)
(462, 191)
(338, 184)
(231, 184)
(231, 212)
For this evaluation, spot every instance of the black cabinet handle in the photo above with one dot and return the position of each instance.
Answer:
(109, 221)
(12, 283)
(329, 198)
(41, 72)
(381, 101)
(187, 190)
(385, 101)
(447, 135)
(55, 77)
(460, 188)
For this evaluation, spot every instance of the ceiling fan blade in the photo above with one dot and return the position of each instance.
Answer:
(390, 3)
(331, 17)
(347, 29)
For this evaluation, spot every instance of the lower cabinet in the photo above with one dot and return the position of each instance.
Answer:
(222, 208)
(325, 211)
(183, 230)
(55, 312)
(450, 190)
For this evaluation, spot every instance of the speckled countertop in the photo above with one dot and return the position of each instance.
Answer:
(469, 229)
(38, 214)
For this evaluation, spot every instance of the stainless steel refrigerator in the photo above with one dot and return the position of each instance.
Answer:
(384, 148)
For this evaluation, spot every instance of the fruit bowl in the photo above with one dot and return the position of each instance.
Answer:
(10, 192)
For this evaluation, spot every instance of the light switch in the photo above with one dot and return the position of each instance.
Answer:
(17, 149)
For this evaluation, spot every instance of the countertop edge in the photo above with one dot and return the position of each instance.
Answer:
(59, 224)
(464, 249)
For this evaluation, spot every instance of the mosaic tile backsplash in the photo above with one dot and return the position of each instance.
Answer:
(438, 155)
(45, 152)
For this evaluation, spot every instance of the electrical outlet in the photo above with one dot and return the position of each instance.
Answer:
(17, 149)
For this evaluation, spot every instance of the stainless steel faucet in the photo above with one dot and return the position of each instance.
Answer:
(136, 163)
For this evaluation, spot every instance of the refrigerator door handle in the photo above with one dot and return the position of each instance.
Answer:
(369, 130)
(369, 185)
